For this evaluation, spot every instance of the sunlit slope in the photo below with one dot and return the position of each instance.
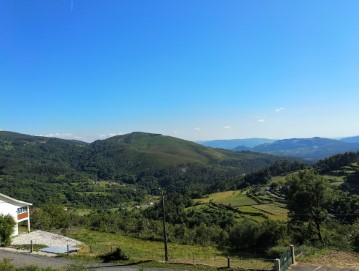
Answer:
(138, 151)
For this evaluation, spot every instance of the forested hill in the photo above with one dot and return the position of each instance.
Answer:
(26, 155)
(142, 152)
(41, 168)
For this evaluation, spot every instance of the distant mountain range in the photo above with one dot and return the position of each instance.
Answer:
(232, 144)
(306, 148)
(353, 139)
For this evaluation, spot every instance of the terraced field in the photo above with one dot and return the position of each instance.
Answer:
(259, 208)
(233, 198)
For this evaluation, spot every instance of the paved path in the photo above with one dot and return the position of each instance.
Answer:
(314, 267)
(26, 259)
(22, 259)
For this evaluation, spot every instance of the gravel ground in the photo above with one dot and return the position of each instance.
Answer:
(45, 238)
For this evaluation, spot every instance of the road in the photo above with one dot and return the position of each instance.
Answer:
(26, 259)
(313, 267)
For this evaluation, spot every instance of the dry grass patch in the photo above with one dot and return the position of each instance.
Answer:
(338, 259)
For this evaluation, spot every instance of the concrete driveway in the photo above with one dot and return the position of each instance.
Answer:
(45, 238)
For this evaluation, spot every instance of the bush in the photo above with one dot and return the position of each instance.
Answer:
(244, 234)
(250, 234)
(277, 251)
(7, 224)
(117, 255)
(270, 234)
(355, 236)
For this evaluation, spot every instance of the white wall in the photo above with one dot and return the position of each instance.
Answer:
(8, 209)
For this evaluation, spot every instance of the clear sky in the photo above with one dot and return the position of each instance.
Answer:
(194, 69)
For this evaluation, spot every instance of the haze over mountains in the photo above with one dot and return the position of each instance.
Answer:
(315, 148)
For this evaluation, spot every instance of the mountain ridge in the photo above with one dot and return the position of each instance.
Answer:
(314, 148)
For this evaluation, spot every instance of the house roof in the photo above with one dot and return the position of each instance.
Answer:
(14, 201)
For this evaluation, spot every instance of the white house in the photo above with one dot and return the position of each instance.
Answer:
(19, 210)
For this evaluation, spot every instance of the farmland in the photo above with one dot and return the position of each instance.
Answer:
(260, 207)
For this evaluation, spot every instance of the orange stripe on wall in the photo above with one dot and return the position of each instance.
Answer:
(22, 216)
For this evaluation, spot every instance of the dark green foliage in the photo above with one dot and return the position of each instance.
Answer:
(50, 216)
(355, 236)
(250, 234)
(39, 169)
(345, 207)
(7, 224)
(353, 178)
(117, 255)
(175, 204)
(336, 162)
(309, 198)
(244, 234)
(279, 168)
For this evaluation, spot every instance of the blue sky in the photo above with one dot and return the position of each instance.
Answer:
(197, 69)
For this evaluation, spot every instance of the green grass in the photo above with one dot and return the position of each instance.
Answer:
(270, 208)
(35, 247)
(98, 243)
(273, 211)
(233, 198)
(278, 179)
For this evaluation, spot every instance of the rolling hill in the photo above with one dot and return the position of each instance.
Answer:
(21, 153)
(138, 152)
(39, 168)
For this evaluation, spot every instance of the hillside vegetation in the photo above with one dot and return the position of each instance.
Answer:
(231, 203)
(39, 169)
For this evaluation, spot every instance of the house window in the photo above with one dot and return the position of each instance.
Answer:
(21, 210)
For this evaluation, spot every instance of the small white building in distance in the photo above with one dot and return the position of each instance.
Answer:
(19, 210)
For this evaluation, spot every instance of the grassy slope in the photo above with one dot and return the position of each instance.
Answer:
(233, 198)
(254, 210)
(154, 150)
(142, 250)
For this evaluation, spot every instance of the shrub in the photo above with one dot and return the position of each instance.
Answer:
(277, 251)
(117, 255)
(355, 236)
(7, 224)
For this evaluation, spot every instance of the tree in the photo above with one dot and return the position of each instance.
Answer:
(51, 216)
(7, 224)
(309, 199)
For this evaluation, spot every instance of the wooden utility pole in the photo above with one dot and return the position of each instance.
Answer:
(164, 228)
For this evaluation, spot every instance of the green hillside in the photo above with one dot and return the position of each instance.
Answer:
(39, 169)
(140, 152)
(34, 155)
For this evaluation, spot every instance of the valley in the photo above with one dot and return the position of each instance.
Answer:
(219, 203)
